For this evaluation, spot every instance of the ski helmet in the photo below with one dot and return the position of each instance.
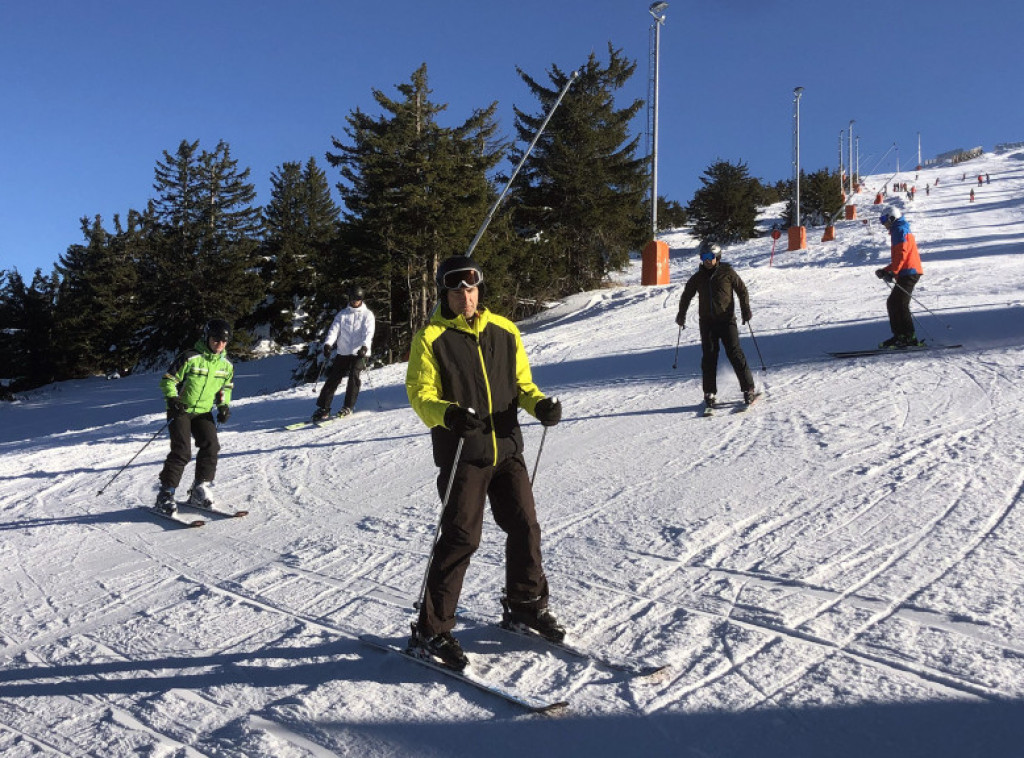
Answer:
(218, 329)
(709, 249)
(458, 272)
(355, 292)
(890, 215)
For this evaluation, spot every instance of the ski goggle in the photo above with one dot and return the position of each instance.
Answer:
(462, 278)
(705, 257)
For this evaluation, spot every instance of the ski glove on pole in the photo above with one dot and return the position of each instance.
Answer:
(175, 408)
(327, 351)
(747, 315)
(681, 319)
(885, 275)
(549, 411)
(462, 421)
(223, 413)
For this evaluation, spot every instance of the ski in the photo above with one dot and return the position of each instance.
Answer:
(323, 422)
(213, 511)
(629, 667)
(175, 517)
(743, 406)
(890, 351)
(532, 704)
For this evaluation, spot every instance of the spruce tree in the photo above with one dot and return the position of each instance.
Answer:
(301, 228)
(26, 329)
(415, 193)
(97, 309)
(203, 245)
(724, 209)
(580, 195)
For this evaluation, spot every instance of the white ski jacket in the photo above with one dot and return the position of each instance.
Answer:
(351, 329)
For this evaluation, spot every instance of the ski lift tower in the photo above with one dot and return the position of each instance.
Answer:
(655, 252)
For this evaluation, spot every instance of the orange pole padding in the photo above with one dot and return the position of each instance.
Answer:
(797, 238)
(829, 235)
(878, 199)
(654, 268)
(851, 212)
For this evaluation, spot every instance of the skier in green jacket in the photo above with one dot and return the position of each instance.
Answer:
(197, 380)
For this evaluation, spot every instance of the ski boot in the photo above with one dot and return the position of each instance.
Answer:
(201, 495)
(344, 412)
(889, 344)
(443, 648)
(749, 396)
(519, 614)
(709, 403)
(321, 414)
(910, 340)
(165, 500)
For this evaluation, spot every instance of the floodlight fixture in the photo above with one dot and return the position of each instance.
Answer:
(657, 9)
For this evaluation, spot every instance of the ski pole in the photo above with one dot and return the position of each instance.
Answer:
(437, 531)
(508, 185)
(675, 360)
(319, 374)
(948, 326)
(760, 357)
(129, 463)
(540, 449)
(366, 373)
(916, 320)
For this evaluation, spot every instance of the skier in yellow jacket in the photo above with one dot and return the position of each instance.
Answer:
(468, 376)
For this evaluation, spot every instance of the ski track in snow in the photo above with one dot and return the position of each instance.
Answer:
(852, 538)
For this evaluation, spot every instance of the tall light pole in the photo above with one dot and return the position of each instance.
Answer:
(851, 157)
(657, 11)
(797, 92)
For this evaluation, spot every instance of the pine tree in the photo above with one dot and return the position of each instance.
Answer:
(415, 193)
(203, 244)
(301, 229)
(580, 195)
(724, 209)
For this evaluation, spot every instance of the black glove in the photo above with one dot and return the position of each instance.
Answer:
(681, 319)
(223, 413)
(462, 421)
(327, 351)
(885, 275)
(548, 411)
(175, 408)
(746, 317)
(363, 351)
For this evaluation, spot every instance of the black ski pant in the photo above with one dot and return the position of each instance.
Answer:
(182, 429)
(898, 305)
(713, 336)
(342, 366)
(508, 488)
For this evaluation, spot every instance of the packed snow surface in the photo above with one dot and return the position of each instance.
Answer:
(837, 571)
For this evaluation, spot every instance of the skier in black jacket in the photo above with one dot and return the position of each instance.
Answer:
(714, 284)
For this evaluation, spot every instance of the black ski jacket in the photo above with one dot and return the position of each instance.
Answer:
(714, 289)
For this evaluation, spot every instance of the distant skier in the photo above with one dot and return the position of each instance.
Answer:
(197, 380)
(972, 195)
(468, 376)
(903, 273)
(714, 284)
(352, 333)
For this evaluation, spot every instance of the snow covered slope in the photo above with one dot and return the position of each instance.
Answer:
(837, 571)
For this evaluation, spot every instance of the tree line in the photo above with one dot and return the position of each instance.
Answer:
(414, 191)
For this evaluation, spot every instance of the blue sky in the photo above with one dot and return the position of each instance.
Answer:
(94, 92)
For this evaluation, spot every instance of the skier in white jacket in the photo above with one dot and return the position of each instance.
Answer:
(352, 334)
